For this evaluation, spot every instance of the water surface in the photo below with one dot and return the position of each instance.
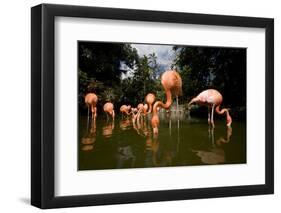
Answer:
(184, 142)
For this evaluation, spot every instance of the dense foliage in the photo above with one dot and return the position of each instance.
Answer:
(223, 69)
(116, 72)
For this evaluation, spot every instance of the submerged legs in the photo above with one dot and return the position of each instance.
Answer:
(212, 118)
(178, 112)
(209, 115)
(88, 118)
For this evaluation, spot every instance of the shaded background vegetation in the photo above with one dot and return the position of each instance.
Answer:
(116, 72)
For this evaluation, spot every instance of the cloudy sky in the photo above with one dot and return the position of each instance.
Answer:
(164, 53)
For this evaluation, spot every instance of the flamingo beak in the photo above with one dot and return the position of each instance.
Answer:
(190, 103)
(229, 121)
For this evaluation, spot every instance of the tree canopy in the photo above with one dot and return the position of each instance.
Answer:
(117, 72)
(223, 69)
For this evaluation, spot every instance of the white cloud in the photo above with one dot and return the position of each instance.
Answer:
(165, 54)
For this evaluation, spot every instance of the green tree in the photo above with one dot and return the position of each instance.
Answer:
(223, 69)
(101, 66)
(106, 61)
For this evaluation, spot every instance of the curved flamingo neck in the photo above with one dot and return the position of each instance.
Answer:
(194, 100)
(144, 111)
(222, 111)
(150, 108)
(127, 113)
(228, 117)
(161, 104)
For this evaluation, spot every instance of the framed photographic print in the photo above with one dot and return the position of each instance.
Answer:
(140, 106)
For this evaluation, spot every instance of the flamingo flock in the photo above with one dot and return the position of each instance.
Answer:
(172, 84)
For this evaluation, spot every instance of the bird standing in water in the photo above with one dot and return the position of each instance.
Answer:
(172, 84)
(108, 108)
(212, 99)
(124, 109)
(150, 99)
(91, 100)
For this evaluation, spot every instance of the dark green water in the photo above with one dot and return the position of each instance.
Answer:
(124, 145)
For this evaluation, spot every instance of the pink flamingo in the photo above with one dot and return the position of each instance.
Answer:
(141, 109)
(91, 100)
(172, 84)
(108, 108)
(145, 109)
(124, 109)
(134, 112)
(212, 99)
(150, 99)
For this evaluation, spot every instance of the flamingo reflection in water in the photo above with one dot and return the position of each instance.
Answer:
(157, 154)
(107, 129)
(89, 138)
(125, 124)
(216, 154)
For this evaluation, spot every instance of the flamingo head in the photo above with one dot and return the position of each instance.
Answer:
(193, 100)
(228, 119)
(145, 107)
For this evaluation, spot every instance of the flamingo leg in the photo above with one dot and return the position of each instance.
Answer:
(178, 140)
(213, 137)
(209, 116)
(170, 125)
(93, 111)
(212, 118)
(88, 118)
(177, 104)
(178, 112)
(95, 114)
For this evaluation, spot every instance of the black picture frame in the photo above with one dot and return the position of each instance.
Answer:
(43, 117)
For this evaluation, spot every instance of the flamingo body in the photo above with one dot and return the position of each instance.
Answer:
(91, 100)
(172, 84)
(150, 99)
(208, 97)
(108, 108)
(124, 109)
(212, 99)
(171, 81)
